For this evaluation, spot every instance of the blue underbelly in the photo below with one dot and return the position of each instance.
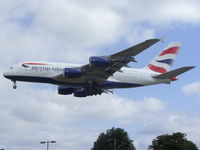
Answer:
(106, 85)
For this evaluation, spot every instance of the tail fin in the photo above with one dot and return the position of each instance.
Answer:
(163, 62)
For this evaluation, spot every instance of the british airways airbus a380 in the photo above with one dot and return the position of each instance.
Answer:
(101, 73)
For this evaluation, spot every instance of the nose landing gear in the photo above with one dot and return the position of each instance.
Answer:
(14, 86)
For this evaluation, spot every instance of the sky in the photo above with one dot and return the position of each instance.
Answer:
(72, 31)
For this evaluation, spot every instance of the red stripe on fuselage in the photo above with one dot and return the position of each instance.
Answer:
(157, 69)
(172, 50)
(34, 64)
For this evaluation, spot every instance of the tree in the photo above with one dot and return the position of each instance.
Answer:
(113, 139)
(176, 141)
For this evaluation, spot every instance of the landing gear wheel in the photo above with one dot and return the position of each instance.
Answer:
(14, 86)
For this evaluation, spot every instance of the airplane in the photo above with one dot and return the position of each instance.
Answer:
(102, 73)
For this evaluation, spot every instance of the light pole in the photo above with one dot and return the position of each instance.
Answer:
(44, 142)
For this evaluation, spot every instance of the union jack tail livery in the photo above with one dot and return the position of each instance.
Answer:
(163, 62)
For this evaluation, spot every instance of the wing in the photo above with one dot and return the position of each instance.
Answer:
(117, 61)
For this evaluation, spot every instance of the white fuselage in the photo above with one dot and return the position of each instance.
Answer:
(47, 72)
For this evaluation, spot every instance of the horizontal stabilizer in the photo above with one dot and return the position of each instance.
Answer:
(173, 73)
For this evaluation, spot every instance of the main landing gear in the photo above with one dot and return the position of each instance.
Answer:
(14, 86)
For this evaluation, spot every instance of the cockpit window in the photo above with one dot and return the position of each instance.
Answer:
(11, 67)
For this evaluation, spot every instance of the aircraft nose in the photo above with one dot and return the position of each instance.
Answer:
(6, 74)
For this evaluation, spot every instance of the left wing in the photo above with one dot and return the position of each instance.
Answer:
(101, 68)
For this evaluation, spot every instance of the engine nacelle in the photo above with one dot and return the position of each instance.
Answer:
(99, 61)
(72, 73)
(63, 90)
(81, 93)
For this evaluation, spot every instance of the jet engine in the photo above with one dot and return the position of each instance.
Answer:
(63, 90)
(72, 73)
(99, 61)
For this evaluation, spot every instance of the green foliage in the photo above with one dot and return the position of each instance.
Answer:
(107, 141)
(176, 141)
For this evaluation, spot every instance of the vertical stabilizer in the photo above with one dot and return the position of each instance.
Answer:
(163, 62)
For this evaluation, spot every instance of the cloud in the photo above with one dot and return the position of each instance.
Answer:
(174, 10)
(79, 25)
(138, 33)
(153, 104)
(165, 13)
(192, 89)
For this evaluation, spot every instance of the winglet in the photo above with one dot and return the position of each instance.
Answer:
(162, 39)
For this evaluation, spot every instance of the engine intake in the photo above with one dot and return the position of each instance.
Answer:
(72, 73)
(99, 61)
(63, 90)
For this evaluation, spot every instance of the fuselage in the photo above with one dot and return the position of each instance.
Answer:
(47, 72)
